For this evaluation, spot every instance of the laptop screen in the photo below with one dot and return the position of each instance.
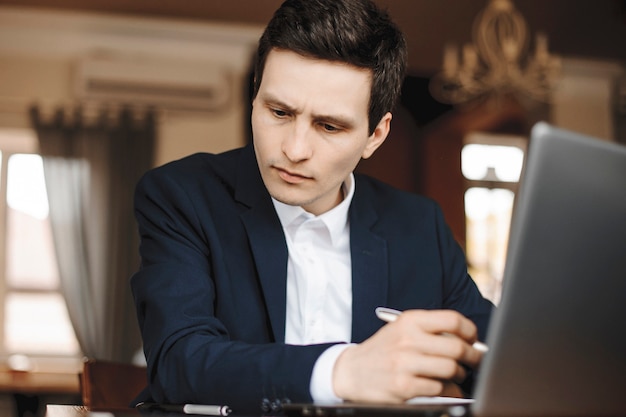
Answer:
(558, 339)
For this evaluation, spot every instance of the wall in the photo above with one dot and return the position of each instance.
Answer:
(584, 99)
(39, 51)
(38, 55)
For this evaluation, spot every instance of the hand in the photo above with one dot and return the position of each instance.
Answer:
(413, 356)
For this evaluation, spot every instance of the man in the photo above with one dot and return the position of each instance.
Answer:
(262, 266)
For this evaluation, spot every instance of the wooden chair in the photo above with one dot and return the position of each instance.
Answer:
(107, 385)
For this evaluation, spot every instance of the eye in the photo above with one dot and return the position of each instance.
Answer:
(329, 128)
(279, 113)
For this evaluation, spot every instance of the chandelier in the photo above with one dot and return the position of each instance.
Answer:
(498, 62)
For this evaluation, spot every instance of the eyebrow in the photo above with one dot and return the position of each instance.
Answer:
(269, 99)
(344, 122)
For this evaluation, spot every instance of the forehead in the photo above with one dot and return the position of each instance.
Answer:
(302, 81)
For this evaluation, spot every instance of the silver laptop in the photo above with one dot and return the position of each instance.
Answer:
(558, 339)
(557, 342)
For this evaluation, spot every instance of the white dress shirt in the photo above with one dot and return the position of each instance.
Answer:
(319, 283)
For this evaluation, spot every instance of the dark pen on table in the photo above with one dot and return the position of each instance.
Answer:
(198, 409)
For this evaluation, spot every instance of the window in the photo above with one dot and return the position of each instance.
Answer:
(491, 165)
(34, 318)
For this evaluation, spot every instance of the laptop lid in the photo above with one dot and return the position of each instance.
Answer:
(558, 338)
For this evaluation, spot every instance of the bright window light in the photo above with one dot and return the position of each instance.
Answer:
(26, 190)
(38, 323)
(477, 160)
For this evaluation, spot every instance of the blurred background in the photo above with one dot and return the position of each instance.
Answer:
(93, 93)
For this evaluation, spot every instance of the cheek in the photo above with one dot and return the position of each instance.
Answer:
(259, 133)
(258, 140)
(343, 163)
(255, 123)
(262, 127)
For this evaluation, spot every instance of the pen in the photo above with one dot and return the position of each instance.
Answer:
(199, 409)
(389, 314)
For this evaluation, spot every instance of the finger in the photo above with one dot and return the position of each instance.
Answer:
(427, 387)
(438, 368)
(415, 386)
(443, 321)
(461, 350)
(450, 389)
(445, 346)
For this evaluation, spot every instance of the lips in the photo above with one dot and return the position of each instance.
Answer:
(291, 177)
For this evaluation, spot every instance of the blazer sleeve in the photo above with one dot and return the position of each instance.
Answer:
(459, 289)
(191, 356)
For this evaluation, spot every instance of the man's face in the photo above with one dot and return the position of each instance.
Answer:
(310, 128)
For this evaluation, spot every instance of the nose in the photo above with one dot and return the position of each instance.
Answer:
(297, 146)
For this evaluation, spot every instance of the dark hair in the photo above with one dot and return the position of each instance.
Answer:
(356, 32)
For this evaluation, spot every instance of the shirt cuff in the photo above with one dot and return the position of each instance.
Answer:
(322, 377)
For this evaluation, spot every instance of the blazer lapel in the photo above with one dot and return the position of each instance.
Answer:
(267, 240)
(369, 268)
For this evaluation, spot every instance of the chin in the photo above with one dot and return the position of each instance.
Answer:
(290, 199)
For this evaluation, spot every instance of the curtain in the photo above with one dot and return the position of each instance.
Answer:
(91, 166)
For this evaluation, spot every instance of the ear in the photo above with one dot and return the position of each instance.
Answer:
(378, 136)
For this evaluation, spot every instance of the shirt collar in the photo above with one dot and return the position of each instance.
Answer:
(335, 219)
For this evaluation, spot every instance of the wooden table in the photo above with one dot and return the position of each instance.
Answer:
(37, 382)
(66, 411)
(29, 389)
(54, 410)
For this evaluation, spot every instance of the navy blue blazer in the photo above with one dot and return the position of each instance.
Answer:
(211, 291)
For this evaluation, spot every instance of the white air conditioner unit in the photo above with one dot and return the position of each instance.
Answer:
(162, 84)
